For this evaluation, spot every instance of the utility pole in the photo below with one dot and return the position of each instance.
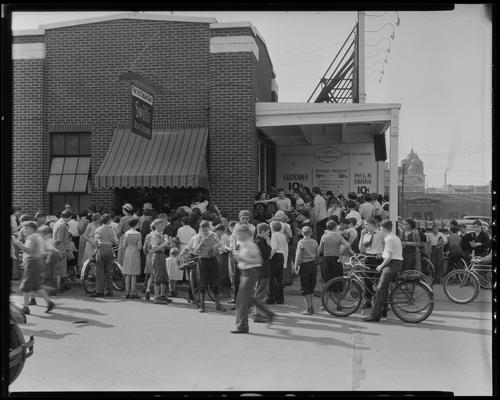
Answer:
(361, 57)
(403, 192)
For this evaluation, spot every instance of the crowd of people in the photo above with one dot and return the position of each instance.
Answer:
(286, 236)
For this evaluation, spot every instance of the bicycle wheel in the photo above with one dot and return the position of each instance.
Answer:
(118, 278)
(461, 286)
(342, 296)
(428, 269)
(193, 287)
(411, 301)
(88, 279)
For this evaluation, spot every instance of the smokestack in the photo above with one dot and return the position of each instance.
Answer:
(445, 178)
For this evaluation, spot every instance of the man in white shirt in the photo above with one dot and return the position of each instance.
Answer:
(185, 232)
(300, 204)
(282, 202)
(250, 262)
(351, 205)
(244, 220)
(393, 257)
(320, 213)
(279, 253)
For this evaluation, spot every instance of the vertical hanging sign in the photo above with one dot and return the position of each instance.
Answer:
(142, 112)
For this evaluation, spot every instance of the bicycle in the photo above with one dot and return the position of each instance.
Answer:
(462, 285)
(410, 296)
(191, 266)
(428, 269)
(88, 274)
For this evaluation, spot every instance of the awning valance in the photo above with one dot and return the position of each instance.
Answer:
(172, 158)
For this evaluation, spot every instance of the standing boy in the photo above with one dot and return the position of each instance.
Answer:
(305, 266)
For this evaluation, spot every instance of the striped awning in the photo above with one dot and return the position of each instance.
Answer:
(172, 158)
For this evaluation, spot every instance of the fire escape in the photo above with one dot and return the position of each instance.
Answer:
(339, 82)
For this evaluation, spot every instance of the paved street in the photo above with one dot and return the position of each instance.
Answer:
(115, 345)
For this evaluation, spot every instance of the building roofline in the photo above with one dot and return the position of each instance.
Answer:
(126, 15)
(244, 24)
(28, 32)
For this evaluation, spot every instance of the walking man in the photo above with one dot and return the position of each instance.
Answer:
(249, 262)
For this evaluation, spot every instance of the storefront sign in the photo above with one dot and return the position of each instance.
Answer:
(341, 168)
(142, 112)
(294, 167)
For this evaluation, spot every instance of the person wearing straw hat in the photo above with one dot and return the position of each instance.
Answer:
(123, 226)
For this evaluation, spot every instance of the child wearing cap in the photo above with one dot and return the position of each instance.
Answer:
(305, 267)
(33, 253)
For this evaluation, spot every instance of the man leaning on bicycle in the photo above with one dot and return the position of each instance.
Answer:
(391, 265)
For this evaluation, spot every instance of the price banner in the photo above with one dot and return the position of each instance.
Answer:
(142, 112)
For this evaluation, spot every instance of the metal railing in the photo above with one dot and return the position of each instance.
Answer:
(338, 82)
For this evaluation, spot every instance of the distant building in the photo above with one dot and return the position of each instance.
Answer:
(430, 206)
(451, 189)
(412, 167)
(447, 202)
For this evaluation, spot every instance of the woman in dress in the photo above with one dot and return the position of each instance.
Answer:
(123, 226)
(132, 244)
(89, 237)
(410, 241)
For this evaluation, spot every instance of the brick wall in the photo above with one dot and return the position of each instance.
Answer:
(27, 138)
(85, 61)
(82, 66)
(233, 139)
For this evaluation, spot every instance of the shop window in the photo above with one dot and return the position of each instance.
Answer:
(428, 216)
(417, 215)
(69, 174)
(70, 166)
(78, 202)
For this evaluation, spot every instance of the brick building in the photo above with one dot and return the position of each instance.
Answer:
(217, 125)
(68, 101)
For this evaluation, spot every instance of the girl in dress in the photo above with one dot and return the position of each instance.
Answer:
(132, 244)
(123, 227)
(89, 237)
(173, 271)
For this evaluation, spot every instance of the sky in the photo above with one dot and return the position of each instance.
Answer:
(438, 68)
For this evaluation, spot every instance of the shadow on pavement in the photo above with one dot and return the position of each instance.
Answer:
(45, 333)
(79, 310)
(286, 334)
(67, 318)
